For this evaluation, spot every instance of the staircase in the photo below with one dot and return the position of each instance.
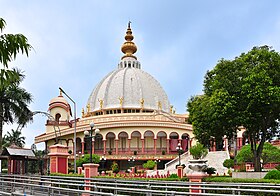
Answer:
(215, 160)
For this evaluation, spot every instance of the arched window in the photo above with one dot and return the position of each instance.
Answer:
(57, 117)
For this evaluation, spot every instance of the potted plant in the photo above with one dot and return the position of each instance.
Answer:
(115, 167)
(149, 165)
(198, 164)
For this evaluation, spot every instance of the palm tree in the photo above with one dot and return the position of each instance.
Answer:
(14, 137)
(14, 100)
(11, 45)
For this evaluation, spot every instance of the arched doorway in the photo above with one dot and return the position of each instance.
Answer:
(123, 138)
(98, 144)
(173, 142)
(149, 141)
(136, 144)
(161, 142)
(185, 142)
(110, 142)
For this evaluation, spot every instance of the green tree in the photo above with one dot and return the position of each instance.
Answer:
(270, 154)
(240, 93)
(14, 137)
(11, 45)
(13, 99)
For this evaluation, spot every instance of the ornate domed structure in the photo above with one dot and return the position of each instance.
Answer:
(128, 89)
(132, 112)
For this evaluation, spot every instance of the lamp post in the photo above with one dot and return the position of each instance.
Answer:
(103, 160)
(75, 147)
(91, 136)
(157, 161)
(131, 160)
(179, 148)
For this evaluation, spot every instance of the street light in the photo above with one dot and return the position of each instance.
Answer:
(157, 161)
(103, 160)
(91, 135)
(179, 148)
(131, 160)
(75, 147)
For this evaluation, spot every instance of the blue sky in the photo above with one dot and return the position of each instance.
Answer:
(76, 43)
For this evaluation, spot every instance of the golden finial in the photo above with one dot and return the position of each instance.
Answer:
(121, 101)
(88, 107)
(60, 92)
(142, 103)
(171, 109)
(129, 48)
(100, 103)
(159, 105)
(83, 112)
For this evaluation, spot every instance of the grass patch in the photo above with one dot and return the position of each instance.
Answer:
(239, 180)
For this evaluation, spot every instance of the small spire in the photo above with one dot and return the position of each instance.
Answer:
(129, 48)
(60, 93)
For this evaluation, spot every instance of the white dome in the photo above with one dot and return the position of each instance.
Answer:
(132, 85)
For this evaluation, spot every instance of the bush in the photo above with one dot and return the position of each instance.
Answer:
(149, 165)
(273, 174)
(278, 167)
(67, 175)
(85, 159)
(198, 151)
(228, 163)
(173, 176)
(210, 170)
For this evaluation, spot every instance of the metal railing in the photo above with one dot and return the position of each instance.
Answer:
(57, 185)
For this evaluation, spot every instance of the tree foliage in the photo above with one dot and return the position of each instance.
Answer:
(11, 45)
(85, 159)
(228, 163)
(14, 137)
(198, 151)
(270, 153)
(14, 100)
(244, 92)
(149, 165)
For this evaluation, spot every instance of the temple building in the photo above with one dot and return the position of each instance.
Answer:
(132, 112)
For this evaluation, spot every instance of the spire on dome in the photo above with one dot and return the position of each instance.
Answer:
(128, 47)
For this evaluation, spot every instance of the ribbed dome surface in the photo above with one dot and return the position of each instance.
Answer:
(131, 85)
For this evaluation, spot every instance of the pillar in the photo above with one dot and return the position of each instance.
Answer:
(91, 170)
(225, 144)
(143, 145)
(83, 147)
(155, 146)
(129, 150)
(196, 178)
(58, 159)
(167, 145)
(180, 171)
(117, 146)
(104, 146)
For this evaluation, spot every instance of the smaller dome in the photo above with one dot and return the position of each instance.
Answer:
(59, 99)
